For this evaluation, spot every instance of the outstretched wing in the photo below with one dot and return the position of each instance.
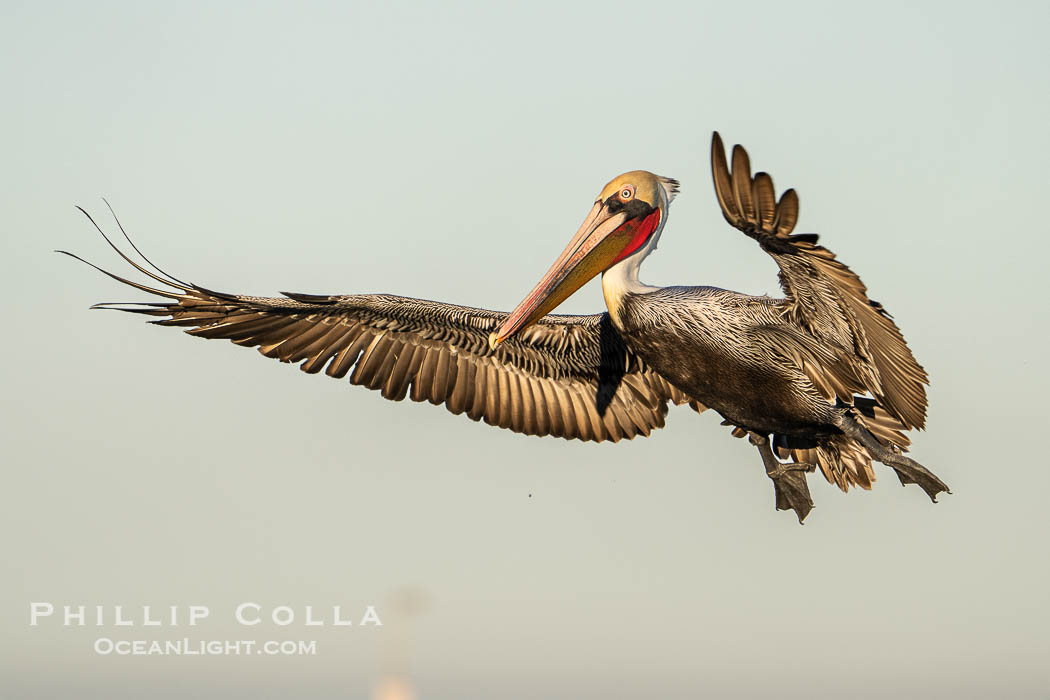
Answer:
(824, 296)
(567, 376)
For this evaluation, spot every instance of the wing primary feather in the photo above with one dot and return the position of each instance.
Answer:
(371, 360)
(496, 412)
(510, 393)
(555, 413)
(439, 380)
(477, 407)
(765, 201)
(787, 213)
(423, 382)
(344, 359)
(723, 181)
(131, 262)
(294, 348)
(136, 248)
(742, 185)
(339, 339)
(136, 285)
(401, 373)
(394, 350)
(463, 394)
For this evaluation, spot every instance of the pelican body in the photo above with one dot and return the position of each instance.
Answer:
(821, 378)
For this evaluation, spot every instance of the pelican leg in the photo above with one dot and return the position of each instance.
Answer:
(908, 470)
(789, 480)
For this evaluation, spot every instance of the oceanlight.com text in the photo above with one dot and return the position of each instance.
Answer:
(104, 646)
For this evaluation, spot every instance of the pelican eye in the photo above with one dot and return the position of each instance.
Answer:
(627, 192)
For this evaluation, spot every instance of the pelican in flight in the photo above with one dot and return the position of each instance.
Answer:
(820, 379)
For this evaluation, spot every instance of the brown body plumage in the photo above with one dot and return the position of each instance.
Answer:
(824, 372)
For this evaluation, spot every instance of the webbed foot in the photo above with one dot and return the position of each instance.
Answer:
(789, 480)
(908, 470)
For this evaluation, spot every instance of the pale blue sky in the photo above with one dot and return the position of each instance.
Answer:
(449, 151)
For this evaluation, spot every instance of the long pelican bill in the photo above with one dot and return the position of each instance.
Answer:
(605, 237)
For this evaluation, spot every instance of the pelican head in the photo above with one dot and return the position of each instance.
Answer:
(624, 223)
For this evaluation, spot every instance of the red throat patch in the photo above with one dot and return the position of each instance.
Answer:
(639, 230)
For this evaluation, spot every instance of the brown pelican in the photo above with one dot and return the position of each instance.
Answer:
(822, 377)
